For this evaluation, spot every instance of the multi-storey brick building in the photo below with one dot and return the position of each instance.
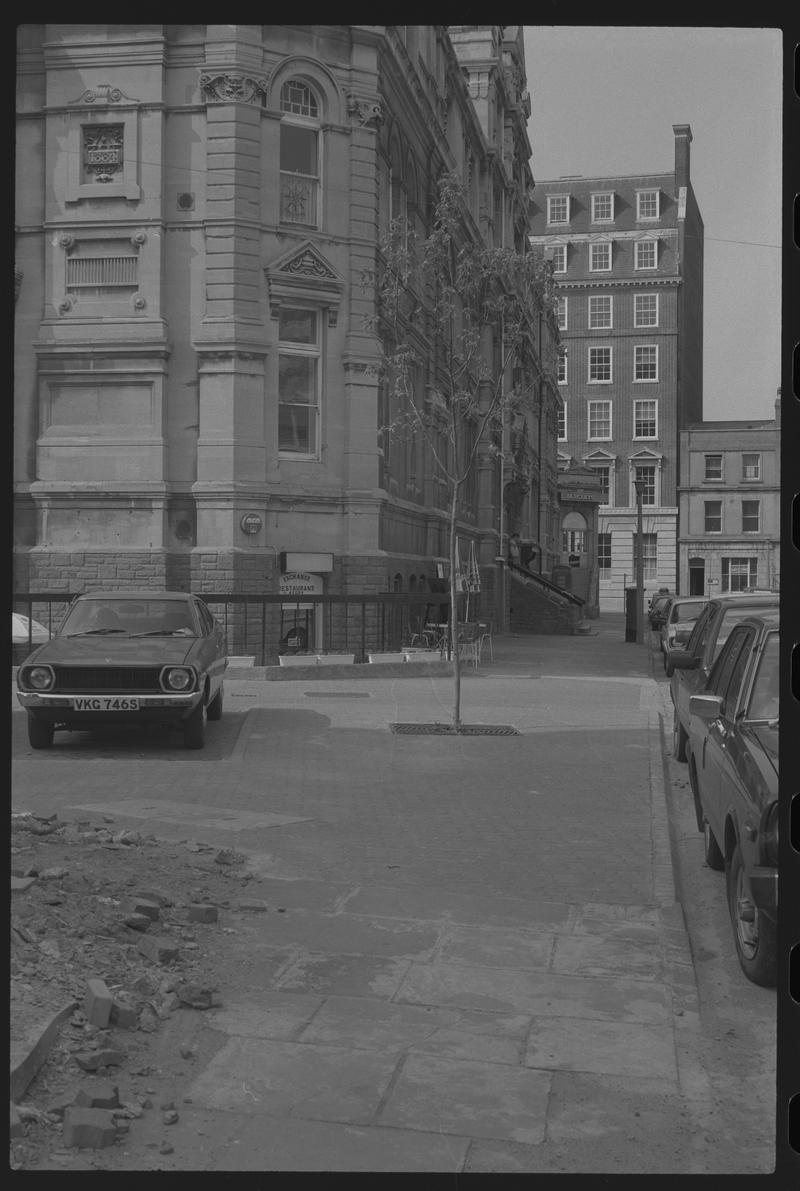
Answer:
(729, 502)
(628, 258)
(198, 208)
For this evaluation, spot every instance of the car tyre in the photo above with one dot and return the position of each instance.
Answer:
(678, 738)
(754, 935)
(711, 850)
(215, 706)
(40, 733)
(194, 727)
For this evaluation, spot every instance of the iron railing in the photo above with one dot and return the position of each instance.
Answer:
(265, 626)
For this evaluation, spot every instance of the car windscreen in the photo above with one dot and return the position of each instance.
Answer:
(765, 693)
(686, 612)
(129, 617)
(730, 617)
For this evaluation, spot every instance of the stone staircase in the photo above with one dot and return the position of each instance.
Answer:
(535, 605)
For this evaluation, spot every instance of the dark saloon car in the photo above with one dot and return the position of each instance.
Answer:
(658, 608)
(127, 656)
(690, 666)
(733, 770)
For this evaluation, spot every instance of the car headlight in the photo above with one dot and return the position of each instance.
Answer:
(177, 678)
(769, 834)
(38, 678)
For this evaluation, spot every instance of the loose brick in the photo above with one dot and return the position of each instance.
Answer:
(251, 903)
(101, 1094)
(202, 913)
(158, 948)
(123, 1014)
(142, 905)
(89, 1128)
(138, 922)
(93, 1060)
(97, 1003)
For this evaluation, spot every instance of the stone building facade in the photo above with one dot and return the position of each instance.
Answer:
(730, 506)
(198, 208)
(628, 262)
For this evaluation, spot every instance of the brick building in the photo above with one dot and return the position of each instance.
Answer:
(628, 259)
(730, 506)
(196, 395)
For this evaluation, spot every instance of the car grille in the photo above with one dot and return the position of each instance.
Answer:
(107, 678)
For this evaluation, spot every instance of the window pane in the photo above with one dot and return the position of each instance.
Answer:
(299, 99)
(645, 308)
(751, 467)
(646, 362)
(297, 379)
(713, 516)
(600, 307)
(604, 551)
(599, 419)
(713, 467)
(297, 326)
(603, 476)
(296, 429)
(560, 258)
(644, 419)
(647, 474)
(750, 516)
(298, 149)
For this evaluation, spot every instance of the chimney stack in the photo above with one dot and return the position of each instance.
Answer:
(683, 139)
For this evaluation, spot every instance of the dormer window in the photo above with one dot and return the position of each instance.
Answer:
(603, 207)
(558, 208)
(648, 204)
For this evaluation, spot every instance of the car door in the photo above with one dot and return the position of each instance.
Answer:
(685, 683)
(716, 763)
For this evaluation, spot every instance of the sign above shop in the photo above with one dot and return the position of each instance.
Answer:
(251, 523)
(299, 583)
(295, 560)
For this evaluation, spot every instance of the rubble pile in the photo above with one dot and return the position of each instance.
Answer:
(112, 932)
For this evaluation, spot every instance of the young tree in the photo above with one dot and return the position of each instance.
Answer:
(453, 301)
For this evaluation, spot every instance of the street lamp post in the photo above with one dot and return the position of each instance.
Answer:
(639, 486)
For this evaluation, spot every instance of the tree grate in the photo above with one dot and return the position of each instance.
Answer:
(451, 730)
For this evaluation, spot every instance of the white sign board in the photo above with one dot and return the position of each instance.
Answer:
(299, 583)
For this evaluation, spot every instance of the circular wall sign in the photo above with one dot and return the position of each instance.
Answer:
(251, 523)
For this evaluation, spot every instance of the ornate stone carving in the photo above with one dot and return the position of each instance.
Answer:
(65, 305)
(364, 111)
(308, 264)
(236, 88)
(104, 93)
(66, 241)
(103, 152)
(138, 302)
(139, 238)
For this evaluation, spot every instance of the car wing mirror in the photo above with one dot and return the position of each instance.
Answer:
(706, 707)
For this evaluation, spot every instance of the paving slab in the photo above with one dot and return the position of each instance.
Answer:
(342, 934)
(354, 975)
(497, 947)
(538, 993)
(435, 1094)
(599, 955)
(467, 906)
(487, 1037)
(603, 1047)
(275, 1015)
(265, 1077)
(373, 1024)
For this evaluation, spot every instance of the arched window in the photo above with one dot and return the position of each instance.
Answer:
(299, 154)
(398, 582)
(412, 583)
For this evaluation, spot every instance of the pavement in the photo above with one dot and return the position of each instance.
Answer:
(479, 963)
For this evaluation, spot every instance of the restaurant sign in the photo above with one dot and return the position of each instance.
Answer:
(300, 583)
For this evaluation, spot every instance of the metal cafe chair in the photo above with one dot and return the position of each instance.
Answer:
(469, 642)
(485, 638)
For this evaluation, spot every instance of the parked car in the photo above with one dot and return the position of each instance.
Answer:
(27, 632)
(689, 667)
(681, 614)
(733, 770)
(657, 608)
(127, 656)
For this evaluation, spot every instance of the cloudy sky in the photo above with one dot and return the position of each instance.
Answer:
(604, 100)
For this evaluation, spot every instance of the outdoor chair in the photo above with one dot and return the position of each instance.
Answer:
(485, 638)
(469, 642)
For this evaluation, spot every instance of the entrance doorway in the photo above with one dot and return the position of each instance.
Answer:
(697, 576)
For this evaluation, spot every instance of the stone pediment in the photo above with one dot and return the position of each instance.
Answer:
(303, 273)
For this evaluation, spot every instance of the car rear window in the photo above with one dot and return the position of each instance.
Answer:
(731, 617)
(686, 611)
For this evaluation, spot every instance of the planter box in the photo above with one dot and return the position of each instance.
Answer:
(386, 657)
(317, 659)
(297, 659)
(336, 659)
(422, 655)
(233, 660)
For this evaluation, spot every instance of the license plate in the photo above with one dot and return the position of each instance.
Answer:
(105, 703)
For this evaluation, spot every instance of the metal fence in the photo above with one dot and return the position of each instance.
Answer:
(266, 626)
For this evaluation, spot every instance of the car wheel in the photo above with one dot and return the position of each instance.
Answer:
(711, 851)
(40, 733)
(215, 706)
(754, 934)
(678, 738)
(194, 728)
